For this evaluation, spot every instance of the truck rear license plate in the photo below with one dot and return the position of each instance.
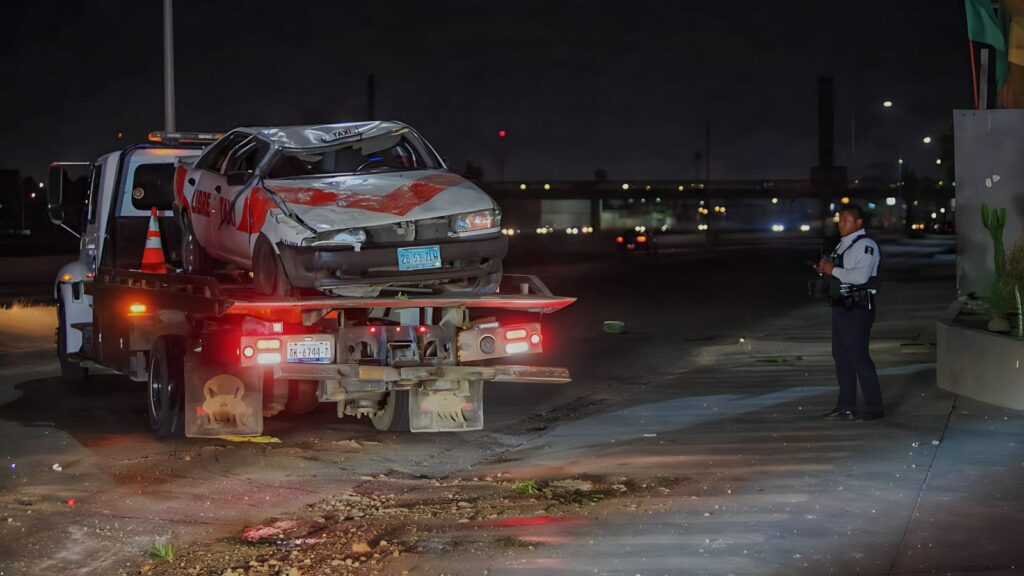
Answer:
(419, 258)
(310, 352)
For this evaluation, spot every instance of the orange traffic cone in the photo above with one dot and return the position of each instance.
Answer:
(153, 254)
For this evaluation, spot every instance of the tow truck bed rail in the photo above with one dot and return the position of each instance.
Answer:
(207, 296)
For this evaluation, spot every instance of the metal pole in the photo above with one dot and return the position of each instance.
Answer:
(169, 66)
(983, 95)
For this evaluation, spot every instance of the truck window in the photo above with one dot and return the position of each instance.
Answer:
(94, 191)
(213, 159)
(153, 185)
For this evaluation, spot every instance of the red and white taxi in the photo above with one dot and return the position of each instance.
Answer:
(348, 209)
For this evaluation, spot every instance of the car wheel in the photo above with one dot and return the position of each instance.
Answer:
(194, 258)
(69, 369)
(394, 414)
(269, 275)
(166, 389)
(479, 286)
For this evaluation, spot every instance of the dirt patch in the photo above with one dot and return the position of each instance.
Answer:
(578, 408)
(359, 532)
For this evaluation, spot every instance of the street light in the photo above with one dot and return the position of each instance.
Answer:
(887, 104)
(938, 160)
(927, 139)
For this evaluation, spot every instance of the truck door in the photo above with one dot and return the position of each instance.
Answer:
(240, 173)
(210, 182)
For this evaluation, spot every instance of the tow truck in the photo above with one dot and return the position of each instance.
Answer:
(217, 357)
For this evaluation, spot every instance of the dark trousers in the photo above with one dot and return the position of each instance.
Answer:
(851, 332)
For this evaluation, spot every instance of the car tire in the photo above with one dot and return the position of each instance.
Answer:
(269, 276)
(194, 258)
(394, 415)
(479, 286)
(69, 369)
(166, 387)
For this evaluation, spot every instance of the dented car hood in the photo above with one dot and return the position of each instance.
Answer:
(356, 200)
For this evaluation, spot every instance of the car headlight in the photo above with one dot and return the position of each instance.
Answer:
(473, 221)
(350, 236)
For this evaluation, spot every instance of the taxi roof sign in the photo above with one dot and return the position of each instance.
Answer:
(184, 137)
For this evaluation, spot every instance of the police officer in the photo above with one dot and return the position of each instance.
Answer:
(853, 270)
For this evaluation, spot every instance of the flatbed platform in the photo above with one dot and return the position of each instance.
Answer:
(208, 296)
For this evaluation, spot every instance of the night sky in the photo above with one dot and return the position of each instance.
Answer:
(624, 86)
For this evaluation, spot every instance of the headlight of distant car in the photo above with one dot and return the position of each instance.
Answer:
(475, 221)
(350, 236)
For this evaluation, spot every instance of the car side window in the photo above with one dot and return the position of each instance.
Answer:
(247, 156)
(213, 159)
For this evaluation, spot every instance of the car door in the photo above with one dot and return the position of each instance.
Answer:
(210, 182)
(240, 173)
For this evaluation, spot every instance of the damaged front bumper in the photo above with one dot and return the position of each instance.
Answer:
(326, 267)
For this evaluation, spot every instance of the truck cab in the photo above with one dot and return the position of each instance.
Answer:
(123, 187)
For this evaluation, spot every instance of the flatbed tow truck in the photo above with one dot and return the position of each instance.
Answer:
(217, 357)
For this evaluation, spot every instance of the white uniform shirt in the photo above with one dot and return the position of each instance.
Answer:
(860, 263)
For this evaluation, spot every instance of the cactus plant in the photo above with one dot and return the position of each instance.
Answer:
(995, 222)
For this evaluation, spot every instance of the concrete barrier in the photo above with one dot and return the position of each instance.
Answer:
(983, 365)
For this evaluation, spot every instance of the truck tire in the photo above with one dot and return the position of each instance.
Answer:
(166, 389)
(69, 369)
(268, 271)
(302, 397)
(394, 415)
(194, 258)
(480, 286)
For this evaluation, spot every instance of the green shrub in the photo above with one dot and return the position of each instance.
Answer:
(161, 551)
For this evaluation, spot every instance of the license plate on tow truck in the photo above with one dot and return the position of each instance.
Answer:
(419, 258)
(310, 352)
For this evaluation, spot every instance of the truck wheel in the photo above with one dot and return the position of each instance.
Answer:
(166, 390)
(301, 397)
(69, 370)
(194, 258)
(268, 270)
(480, 286)
(394, 415)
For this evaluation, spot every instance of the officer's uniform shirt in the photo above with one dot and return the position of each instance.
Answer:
(860, 263)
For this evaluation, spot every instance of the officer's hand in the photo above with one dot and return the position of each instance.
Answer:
(825, 267)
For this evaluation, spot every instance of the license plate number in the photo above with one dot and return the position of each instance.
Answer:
(318, 352)
(419, 258)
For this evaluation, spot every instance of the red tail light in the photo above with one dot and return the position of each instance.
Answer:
(619, 239)
(422, 329)
(373, 330)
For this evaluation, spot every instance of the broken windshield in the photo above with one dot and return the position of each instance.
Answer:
(395, 152)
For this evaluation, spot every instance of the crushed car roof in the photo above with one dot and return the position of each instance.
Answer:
(318, 136)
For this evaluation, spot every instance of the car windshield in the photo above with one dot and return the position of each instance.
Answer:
(395, 152)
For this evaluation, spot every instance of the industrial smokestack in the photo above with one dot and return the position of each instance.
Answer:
(826, 128)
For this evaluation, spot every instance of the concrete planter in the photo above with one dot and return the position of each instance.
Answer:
(983, 365)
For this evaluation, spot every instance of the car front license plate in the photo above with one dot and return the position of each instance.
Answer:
(419, 258)
(317, 352)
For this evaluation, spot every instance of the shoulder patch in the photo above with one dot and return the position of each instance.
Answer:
(869, 250)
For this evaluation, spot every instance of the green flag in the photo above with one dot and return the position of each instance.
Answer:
(983, 26)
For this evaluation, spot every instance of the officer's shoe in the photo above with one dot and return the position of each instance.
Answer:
(840, 414)
(871, 416)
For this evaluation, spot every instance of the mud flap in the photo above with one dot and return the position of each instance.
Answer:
(222, 401)
(452, 410)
